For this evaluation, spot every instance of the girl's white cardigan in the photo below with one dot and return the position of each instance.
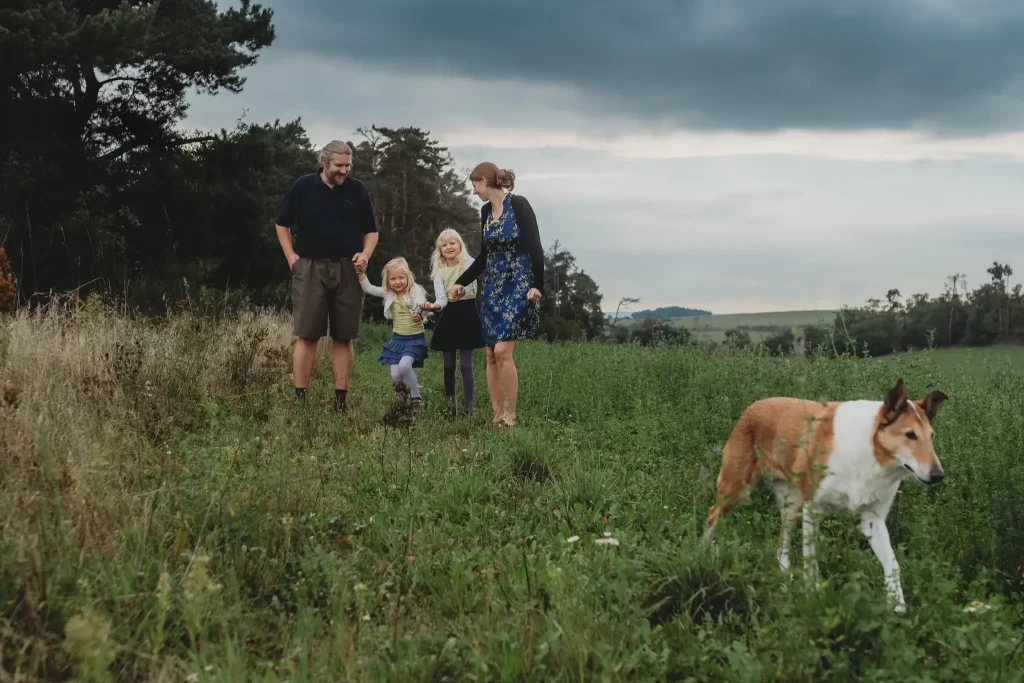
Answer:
(412, 300)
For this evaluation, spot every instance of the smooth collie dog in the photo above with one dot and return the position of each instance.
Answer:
(821, 457)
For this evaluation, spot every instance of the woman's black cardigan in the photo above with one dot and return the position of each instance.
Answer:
(529, 241)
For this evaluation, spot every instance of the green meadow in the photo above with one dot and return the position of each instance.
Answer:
(169, 514)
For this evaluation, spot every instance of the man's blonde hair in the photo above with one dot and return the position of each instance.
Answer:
(334, 147)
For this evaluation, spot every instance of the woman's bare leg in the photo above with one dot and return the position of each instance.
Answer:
(494, 385)
(509, 379)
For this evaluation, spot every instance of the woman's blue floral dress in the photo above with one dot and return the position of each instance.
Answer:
(505, 312)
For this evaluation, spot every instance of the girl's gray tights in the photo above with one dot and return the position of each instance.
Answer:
(403, 372)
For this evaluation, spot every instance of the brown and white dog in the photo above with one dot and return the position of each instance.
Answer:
(824, 456)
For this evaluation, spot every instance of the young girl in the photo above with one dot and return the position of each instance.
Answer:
(405, 303)
(458, 327)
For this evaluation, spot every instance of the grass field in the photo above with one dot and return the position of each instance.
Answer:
(168, 514)
(713, 327)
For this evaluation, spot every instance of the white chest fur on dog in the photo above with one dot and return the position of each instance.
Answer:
(854, 480)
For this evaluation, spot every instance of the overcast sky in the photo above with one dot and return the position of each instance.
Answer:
(733, 155)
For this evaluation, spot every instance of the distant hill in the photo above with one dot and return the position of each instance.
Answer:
(758, 325)
(670, 312)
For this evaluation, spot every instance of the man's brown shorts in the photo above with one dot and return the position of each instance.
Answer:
(326, 297)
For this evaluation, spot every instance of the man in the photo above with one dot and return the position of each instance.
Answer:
(335, 235)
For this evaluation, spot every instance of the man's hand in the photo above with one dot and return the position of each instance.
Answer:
(284, 236)
(456, 292)
(361, 260)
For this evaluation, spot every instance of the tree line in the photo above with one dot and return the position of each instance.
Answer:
(103, 192)
(991, 313)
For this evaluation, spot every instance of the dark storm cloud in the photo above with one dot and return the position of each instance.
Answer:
(751, 64)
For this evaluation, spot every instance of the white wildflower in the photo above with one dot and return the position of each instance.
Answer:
(975, 607)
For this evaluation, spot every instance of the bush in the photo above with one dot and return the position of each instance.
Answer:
(781, 342)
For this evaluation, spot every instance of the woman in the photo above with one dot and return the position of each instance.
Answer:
(511, 261)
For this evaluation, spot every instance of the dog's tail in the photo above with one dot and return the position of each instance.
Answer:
(739, 468)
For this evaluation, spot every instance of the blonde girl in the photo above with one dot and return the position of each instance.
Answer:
(405, 304)
(458, 328)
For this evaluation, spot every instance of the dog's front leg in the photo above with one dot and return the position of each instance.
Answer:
(790, 503)
(873, 526)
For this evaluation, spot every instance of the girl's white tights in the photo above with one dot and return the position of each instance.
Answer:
(403, 372)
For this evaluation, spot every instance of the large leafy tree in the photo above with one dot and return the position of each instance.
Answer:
(93, 92)
(104, 77)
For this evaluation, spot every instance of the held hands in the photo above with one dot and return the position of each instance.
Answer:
(360, 260)
(533, 295)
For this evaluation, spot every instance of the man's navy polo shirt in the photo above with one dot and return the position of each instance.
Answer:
(329, 222)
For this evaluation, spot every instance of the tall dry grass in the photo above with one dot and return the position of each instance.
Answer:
(90, 399)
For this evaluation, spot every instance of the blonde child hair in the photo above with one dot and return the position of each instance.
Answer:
(399, 264)
(437, 260)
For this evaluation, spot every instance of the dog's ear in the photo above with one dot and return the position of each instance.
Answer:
(932, 402)
(895, 402)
